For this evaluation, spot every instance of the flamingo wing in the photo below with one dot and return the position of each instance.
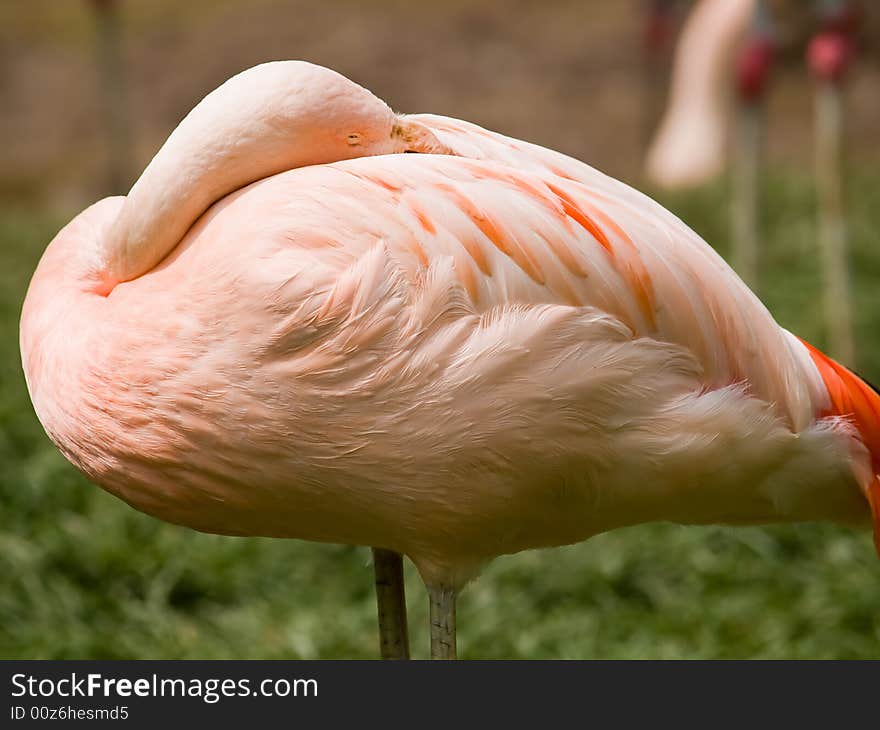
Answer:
(521, 229)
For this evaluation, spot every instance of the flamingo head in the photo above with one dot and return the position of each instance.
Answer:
(333, 118)
(268, 119)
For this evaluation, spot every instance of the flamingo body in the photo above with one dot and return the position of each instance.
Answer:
(451, 356)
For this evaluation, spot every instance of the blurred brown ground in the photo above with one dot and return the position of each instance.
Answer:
(562, 73)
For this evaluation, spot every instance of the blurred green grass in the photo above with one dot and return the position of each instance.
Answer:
(84, 576)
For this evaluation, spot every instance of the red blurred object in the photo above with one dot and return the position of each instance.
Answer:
(844, 18)
(753, 67)
(659, 31)
(829, 54)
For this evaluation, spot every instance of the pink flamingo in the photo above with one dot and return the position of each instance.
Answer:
(286, 329)
(753, 66)
(690, 145)
(828, 55)
(726, 46)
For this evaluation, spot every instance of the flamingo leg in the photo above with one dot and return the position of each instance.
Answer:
(391, 603)
(832, 229)
(752, 76)
(442, 614)
(746, 184)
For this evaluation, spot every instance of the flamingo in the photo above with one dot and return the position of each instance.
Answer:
(752, 72)
(828, 56)
(689, 146)
(288, 328)
(725, 46)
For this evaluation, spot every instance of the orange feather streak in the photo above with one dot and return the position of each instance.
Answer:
(855, 400)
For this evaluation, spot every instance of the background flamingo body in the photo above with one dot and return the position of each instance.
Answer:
(450, 356)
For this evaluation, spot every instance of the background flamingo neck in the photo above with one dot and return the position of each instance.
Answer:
(703, 59)
(689, 146)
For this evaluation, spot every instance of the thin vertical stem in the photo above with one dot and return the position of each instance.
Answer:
(832, 230)
(442, 614)
(746, 192)
(391, 604)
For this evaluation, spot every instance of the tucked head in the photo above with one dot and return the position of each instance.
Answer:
(268, 119)
(328, 116)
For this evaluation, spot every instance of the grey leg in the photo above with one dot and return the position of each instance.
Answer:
(442, 622)
(391, 602)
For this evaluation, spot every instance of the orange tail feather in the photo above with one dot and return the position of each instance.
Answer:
(852, 398)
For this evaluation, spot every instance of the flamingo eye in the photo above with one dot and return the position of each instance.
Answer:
(354, 139)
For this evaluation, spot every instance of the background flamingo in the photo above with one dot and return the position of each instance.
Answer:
(828, 56)
(690, 145)
(454, 355)
(725, 51)
(751, 77)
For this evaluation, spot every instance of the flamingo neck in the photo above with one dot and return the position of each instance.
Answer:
(689, 146)
(255, 125)
(706, 47)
